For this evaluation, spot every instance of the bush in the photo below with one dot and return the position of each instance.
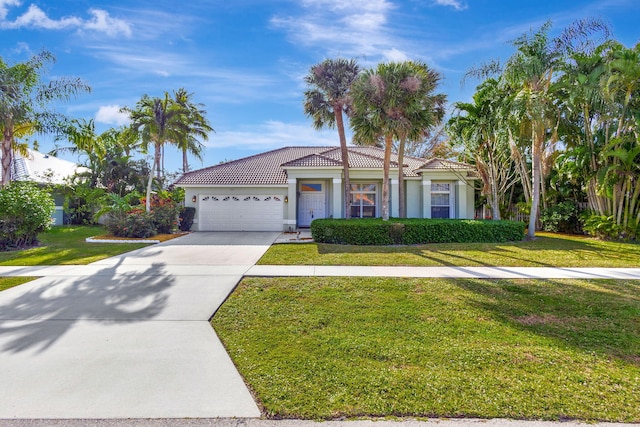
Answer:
(414, 231)
(562, 217)
(186, 218)
(25, 210)
(138, 224)
(605, 227)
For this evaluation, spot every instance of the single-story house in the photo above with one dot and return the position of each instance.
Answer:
(44, 169)
(287, 188)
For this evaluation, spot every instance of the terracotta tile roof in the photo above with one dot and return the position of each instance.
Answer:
(270, 168)
(444, 164)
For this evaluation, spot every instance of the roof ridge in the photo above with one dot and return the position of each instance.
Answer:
(297, 159)
(378, 158)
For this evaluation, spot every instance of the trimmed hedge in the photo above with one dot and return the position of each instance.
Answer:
(414, 231)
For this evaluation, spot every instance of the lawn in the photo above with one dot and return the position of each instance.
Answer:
(66, 245)
(10, 282)
(525, 349)
(548, 249)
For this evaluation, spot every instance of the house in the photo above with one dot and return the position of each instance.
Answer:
(287, 188)
(44, 169)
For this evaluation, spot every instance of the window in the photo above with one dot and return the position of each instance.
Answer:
(363, 200)
(441, 200)
(311, 187)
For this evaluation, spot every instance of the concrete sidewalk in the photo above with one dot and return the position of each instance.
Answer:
(130, 266)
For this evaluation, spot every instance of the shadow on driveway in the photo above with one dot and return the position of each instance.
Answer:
(39, 313)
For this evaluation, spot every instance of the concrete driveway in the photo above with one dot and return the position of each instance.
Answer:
(128, 337)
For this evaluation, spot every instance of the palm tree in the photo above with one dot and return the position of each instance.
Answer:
(198, 127)
(532, 72)
(326, 101)
(158, 121)
(395, 101)
(24, 99)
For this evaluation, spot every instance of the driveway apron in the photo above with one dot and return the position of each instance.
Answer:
(128, 337)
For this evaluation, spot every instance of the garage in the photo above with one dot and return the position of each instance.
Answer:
(240, 213)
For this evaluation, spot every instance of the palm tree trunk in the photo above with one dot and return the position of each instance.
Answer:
(7, 156)
(388, 142)
(185, 161)
(156, 166)
(337, 110)
(536, 157)
(402, 212)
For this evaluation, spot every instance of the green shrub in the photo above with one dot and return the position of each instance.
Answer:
(562, 217)
(25, 210)
(138, 224)
(605, 227)
(165, 218)
(414, 231)
(186, 218)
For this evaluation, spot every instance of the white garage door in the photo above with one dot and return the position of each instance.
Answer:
(240, 213)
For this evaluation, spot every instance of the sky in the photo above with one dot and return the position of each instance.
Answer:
(245, 60)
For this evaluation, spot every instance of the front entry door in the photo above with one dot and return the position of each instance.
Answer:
(311, 204)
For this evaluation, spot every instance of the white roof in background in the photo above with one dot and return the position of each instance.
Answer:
(43, 168)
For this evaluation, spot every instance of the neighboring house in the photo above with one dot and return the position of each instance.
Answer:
(44, 169)
(286, 189)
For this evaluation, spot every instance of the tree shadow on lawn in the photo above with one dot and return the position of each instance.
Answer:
(37, 314)
(521, 253)
(595, 316)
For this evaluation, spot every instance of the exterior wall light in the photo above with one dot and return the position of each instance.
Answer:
(286, 199)
(194, 199)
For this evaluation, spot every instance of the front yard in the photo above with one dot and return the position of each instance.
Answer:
(66, 245)
(548, 250)
(535, 349)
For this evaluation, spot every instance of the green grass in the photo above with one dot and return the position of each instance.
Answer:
(377, 347)
(548, 249)
(10, 282)
(66, 245)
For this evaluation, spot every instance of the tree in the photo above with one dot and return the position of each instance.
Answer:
(532, 72)
(197, 127)
(158, 121)
(24, 101)
(479, 128)
(395, 101)
(325, 102)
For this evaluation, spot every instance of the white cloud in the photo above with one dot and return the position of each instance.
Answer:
(4, 7)
(353, 28)
(395, 55)
(456, 4)
(104, 23)
(35, 17)
(111, 115)
(274, 134)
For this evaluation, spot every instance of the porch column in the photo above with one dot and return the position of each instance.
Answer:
(395, 198)
(426, 198)
(337, 200)
(291, 211)
(461, 192)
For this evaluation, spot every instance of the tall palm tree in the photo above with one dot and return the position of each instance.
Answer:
(157, 121)
(532, 72)
(24, 99)
(325, 102)
(395, 101)
(197, 124)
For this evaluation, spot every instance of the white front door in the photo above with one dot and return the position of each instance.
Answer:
(311, 203)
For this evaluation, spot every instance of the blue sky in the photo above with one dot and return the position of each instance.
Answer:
(245, 60)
